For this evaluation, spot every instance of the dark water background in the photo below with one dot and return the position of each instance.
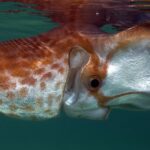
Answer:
(123, 130)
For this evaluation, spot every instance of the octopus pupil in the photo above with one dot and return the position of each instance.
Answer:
(95, 83)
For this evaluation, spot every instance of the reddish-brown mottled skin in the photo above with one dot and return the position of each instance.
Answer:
(20, 57)
(32, 62)
(23, 59)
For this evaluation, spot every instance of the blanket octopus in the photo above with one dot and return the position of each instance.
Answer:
(77, 66)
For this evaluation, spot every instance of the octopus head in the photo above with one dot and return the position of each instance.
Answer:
(83, 82)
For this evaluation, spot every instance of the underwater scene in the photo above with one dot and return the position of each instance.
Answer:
(116, 123)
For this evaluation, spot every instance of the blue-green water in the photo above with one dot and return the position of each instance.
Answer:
(123, 130)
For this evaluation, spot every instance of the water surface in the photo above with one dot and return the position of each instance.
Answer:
(124, 130)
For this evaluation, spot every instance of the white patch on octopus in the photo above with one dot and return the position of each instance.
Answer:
(34, 92)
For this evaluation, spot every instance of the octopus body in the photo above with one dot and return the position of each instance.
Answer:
(33, 74)
(76, 65)
(32, 78)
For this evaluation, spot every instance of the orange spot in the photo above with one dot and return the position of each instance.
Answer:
(66, 61)
(34, 65)
(55, 66)
(23, 92)
(39, 71)
(4, 86)
(20, 72)
(3, 64)
(59, 54)
(24, 64)
(3, 78)
(29, 81)
(39, 101)
(10, 95)
(42, 86)
(47, 61)
(12, 85)
(50, 99)
(61, 70)
(47, 76)
(4, 82)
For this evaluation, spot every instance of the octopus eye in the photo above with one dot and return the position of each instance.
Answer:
(94, 83)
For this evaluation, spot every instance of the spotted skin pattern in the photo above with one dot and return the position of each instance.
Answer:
(31, 78)
(33, 73)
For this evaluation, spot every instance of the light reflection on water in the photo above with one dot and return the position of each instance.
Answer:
(22, 24)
